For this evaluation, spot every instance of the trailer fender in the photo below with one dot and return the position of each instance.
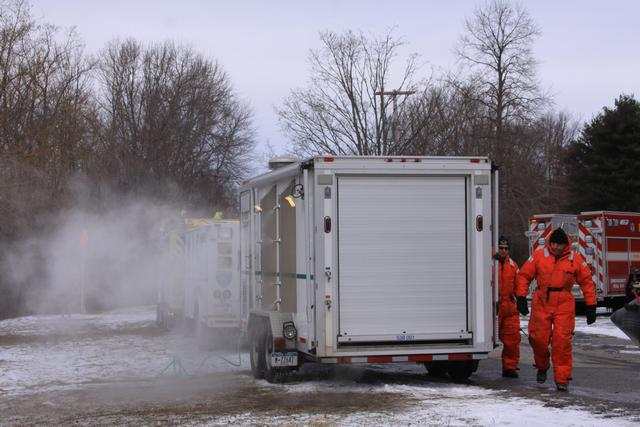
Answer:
(262, 322)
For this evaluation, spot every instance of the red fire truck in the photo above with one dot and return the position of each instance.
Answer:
(610, 242)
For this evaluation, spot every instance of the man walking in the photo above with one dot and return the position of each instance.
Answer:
(508, 318)
(555, 267)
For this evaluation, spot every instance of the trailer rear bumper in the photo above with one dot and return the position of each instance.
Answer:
(405, 359)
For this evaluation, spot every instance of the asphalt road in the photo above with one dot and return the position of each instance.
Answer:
(606, 378)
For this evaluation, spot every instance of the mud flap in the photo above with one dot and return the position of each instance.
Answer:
(627, 319)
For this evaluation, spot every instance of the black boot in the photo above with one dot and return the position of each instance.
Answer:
(562, 387)
(509, 373)
(541, 376)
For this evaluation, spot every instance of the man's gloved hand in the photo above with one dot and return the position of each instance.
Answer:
(496, 256)
(523, 307)
(590, 311)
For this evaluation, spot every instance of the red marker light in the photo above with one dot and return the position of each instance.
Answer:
(327, 159)
(475, 160)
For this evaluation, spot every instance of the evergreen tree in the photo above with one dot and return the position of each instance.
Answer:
(604, 163)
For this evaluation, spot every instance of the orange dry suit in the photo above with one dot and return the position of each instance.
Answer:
(508, 316)
(553, 307)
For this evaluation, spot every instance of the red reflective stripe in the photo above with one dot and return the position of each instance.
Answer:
(582, 243)
(583, 229)
(343, 360)
(379, 359)
(544, 235)
(426, 358)
(302, 339)
(460, 357)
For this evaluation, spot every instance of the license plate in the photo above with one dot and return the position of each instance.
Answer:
(284, 359)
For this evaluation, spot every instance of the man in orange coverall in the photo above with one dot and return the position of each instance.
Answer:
(508, 318)
(556, 268)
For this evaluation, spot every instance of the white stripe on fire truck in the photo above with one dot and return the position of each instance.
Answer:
(623, 256)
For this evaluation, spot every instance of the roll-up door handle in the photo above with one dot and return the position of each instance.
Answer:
(479, 223)
(327, 224)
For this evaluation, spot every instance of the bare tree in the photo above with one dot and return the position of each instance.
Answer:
(497, 46)
(448, 120)
(339, 111)
(44, 101)
(170, 119)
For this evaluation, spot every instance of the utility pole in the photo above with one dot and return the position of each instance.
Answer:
(84, 239)
(394, 94)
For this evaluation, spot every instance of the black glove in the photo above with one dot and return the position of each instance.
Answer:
(590, 311)
(496, 256)
(523, 307)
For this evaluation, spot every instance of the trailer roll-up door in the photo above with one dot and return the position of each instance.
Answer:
(402, 258)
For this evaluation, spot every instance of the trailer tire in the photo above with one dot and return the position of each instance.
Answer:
(256, 352)
(437, 369)
(271, 374)
(461, 370)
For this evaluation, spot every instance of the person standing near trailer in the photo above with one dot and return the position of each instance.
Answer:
(556, 268)
(508, 318)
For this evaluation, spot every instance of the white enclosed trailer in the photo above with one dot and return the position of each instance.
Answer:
(370, 260)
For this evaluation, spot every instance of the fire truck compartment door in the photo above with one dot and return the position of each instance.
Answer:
(402, 258)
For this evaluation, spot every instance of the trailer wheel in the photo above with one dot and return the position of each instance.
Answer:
(271, 374)
(256, 352)
(437, 369)
(461, 370)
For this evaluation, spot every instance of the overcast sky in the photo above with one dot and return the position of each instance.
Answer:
(589, 51)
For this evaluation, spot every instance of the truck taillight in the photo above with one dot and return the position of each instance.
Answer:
(542, 241)
(588, 223)
(541, 226)
(588, 239)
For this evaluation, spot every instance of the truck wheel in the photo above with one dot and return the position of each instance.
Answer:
(461, 370)
(256, 352)
(271, 374)
(436, 369)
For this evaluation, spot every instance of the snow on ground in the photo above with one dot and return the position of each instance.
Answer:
(56, 352)
(602, 326)
(45, 353)
(74, 324)
(444, 404)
